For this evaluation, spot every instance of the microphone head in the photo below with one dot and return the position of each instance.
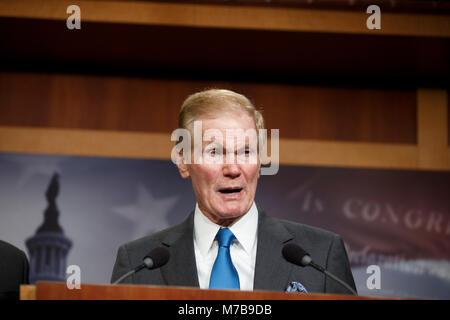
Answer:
(156, 258)
(295, 254)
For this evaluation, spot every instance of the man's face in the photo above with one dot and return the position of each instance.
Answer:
(224, 191)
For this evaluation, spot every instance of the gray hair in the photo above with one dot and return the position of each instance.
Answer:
(208, 103)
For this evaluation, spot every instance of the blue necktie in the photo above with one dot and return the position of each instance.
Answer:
(224, 274)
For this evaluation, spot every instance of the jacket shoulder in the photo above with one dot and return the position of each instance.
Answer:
(163, 237)
(8, 251)
(299, 230)
(316, 241)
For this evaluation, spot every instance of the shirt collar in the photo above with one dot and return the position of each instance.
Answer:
(245, 230)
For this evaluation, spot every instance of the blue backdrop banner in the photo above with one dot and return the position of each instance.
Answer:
(395, 220)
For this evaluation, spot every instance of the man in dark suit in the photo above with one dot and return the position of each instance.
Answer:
(227, 241)
(13, 270)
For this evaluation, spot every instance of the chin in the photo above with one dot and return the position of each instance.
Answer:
(233, 211)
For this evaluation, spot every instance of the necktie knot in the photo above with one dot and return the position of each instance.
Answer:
(225, 237)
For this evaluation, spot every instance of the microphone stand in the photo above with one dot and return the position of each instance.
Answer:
(332, 276)
(129, 273)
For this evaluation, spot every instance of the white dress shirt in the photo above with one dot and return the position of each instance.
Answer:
(242, 250)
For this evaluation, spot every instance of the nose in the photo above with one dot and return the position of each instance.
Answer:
(231, 170)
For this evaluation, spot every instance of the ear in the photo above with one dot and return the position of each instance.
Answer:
(183, 168)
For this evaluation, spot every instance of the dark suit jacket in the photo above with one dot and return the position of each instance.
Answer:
(13, 270)
(272, 271)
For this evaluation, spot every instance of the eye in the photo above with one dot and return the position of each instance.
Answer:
(213, 152)
(245, 152)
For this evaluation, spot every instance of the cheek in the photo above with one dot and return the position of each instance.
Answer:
(252, 173)
(204, 177)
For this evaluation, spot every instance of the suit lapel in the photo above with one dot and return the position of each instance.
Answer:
(271, 270)
(181, 269)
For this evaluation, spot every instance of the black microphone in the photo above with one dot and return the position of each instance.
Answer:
(153, 260)
(297, 255)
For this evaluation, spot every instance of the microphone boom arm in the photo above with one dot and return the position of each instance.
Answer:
(129, 273)
(332, 276)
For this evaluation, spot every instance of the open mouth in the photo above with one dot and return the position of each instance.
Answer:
(230, 191)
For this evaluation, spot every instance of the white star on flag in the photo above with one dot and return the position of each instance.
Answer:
(148, 214)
